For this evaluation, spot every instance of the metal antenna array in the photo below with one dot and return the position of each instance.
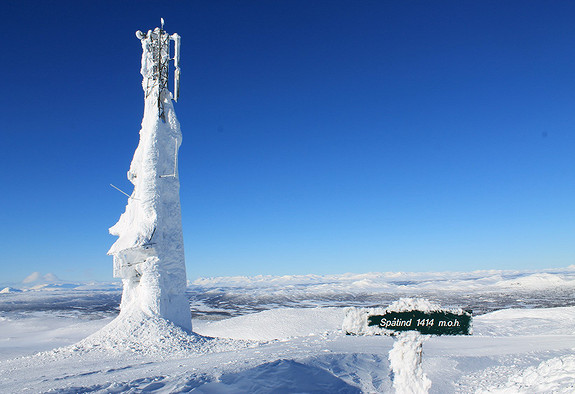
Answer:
(159, 47)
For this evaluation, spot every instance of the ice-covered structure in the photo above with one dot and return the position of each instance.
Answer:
(149, 253)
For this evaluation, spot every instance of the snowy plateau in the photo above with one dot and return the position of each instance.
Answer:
(269, 334)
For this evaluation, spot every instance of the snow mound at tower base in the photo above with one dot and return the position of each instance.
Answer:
(139, 334)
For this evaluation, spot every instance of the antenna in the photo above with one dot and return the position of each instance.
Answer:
(158, 44)
(176, 38)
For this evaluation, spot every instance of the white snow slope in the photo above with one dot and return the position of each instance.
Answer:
(281, 350)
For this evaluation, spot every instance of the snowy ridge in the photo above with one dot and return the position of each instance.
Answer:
(512, 322)
(273, 324)
(480, 291)
(9, 289)
(217, 298)
(367, 282)
(536, 281)
(384, 281)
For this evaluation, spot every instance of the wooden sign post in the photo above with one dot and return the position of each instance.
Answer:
(411, 321)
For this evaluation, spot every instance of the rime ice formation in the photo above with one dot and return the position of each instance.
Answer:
(405, 363)
(149, 253)
(355, 320)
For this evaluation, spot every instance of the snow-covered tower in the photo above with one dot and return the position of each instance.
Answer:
(149, 253)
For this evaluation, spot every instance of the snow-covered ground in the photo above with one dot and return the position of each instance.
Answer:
(283, 334)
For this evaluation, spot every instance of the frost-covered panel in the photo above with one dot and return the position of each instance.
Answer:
(422, 315)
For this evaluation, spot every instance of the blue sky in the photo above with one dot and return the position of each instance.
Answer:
(319, 136)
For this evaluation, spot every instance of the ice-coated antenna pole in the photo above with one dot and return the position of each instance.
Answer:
(157, 43)
(149, 252)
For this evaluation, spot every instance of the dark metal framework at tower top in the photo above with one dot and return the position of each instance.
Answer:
(159, 46)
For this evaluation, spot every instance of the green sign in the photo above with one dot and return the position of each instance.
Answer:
(434, 323)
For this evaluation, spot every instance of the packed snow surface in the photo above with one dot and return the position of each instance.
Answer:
(523, 342)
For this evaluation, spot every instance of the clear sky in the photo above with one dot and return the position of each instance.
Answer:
(319, 136)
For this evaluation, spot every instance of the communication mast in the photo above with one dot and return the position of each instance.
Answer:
(149, 251)
(158, 46)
